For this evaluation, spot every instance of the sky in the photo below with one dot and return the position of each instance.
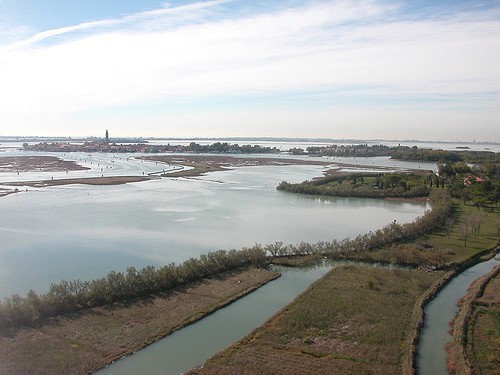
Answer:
(362, 69)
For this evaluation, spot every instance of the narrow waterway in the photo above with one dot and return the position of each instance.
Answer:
(193, 345)
(439, 312)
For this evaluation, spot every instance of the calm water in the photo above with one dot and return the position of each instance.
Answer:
(438, 313)
(84, 232)
(194, 344)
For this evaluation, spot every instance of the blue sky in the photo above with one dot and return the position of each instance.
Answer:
(367, 69)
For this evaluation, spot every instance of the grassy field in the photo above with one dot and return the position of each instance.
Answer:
(453, 243)
(355, 320)
(84, 342)
(446, 246)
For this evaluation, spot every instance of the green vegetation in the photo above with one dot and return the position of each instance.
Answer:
(227, 148)
(479, 185)
(368, 185)
(355, 320)
(466, 156)
(452, 242)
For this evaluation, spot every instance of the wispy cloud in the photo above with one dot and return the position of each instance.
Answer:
(358, 54)
(172, 15)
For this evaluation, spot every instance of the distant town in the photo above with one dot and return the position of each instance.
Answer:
(127, 145)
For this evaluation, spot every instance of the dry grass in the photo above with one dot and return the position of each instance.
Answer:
(91, 339)
(355, 320)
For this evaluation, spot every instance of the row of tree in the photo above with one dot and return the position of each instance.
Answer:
(75, 295)
(441, 210)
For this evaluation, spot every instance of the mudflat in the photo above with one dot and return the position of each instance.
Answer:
(54, 164)
(37, 163)
(115, 180)
(86, 341)
(201, 164)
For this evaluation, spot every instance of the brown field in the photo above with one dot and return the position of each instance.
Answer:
(87, 341)
(355, 320)
(37, 163)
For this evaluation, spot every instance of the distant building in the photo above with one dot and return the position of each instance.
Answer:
(107, 136)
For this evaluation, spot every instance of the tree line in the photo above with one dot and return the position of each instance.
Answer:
(442, 207)
(400, 153)
(75, 295)
(368, 185)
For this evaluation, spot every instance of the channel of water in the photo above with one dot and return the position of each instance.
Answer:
(439, 312)
(191, 346)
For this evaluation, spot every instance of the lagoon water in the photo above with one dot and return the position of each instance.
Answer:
(82, 231)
